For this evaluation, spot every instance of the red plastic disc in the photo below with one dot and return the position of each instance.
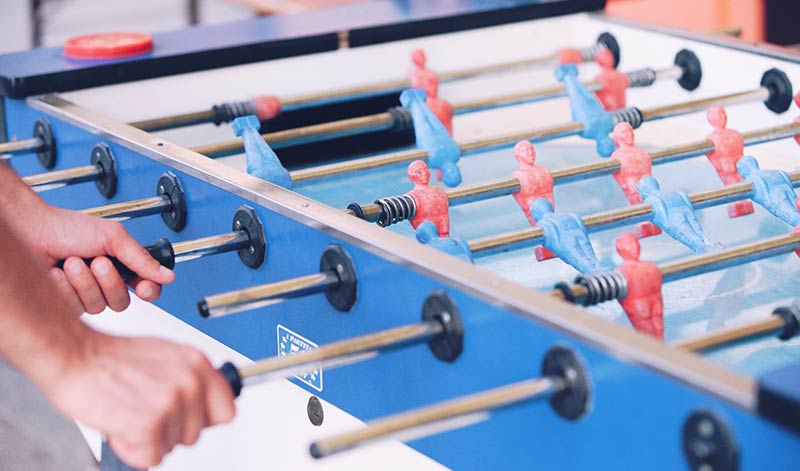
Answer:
(108, 45)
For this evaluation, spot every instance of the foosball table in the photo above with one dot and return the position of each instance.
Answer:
(471, 235)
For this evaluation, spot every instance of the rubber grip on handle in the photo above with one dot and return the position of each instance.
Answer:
(161, 251)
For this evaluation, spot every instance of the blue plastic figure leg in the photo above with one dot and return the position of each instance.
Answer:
(262, 162)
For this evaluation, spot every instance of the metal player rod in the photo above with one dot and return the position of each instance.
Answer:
(482, 191)
(556, 91)
(613, 218)
(534, 135)
(168, 254)
(564, 380)
(708, 262)
(131, 209)
(60, 178)
(211, 245)
(341, 353)
(448, 415)
(22, 146)
(350, 93)
(766, 327)
(388, 120)
(169, 202)
(256, 297)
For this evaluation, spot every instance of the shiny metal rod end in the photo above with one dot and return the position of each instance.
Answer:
(564, 380)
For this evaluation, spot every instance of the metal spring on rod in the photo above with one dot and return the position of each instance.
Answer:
(395, 209)
(401, 119)
(227, 112)
(642, 77)
(632, 116)
(589, 53)
(602, 287)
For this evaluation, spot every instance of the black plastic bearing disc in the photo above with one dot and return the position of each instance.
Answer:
(169, 186)
(610, 42)
(439, 307)
(247, 219)
(106, 183)
(574, 400)
(692, 70)
(47, 153)
(708, 443)
(342, 296)
(780, 90)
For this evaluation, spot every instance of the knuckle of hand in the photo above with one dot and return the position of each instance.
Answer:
(115, 230)
(196, 359)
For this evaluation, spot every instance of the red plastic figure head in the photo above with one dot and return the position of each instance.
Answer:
(628, 246)
(797, 99)
(717, 117)
(418, 58)
(267, 106)
(605, 59)
(623, 134)
(418, 173)
(431, 86)
(525, 153)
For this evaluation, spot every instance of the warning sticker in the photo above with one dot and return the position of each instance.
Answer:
(290, 343)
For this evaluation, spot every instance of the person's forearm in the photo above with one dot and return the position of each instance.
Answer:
(17, 200)
(37, 333)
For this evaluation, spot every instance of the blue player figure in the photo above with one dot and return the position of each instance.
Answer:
(262, 162)
(673, 212)
(772, 189)
(587, 110)
(431, 135)
(428, 234)
(565, 235)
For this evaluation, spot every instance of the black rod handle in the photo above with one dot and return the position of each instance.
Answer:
(161, 251)
(110, 462)
(232, 376)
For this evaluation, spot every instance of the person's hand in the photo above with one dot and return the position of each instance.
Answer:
(145, 395)
(73, 236)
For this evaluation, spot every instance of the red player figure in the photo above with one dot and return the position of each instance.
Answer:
(634, 163)
(440, 108)
(569, 56)
(267, 107)
(535, 182)
(419, 72)
(432, 202)
(613, 83)
(728, 149)
(797, 120)
(643, 303)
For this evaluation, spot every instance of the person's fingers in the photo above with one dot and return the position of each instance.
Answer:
(220, 405)
(110, 282)
(145, 289)
(66, 291)
(140, 456)
(194, 392)
(85, 285)
(120, 244)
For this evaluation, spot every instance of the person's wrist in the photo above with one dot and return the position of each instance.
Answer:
(61, 359)
(28, 214)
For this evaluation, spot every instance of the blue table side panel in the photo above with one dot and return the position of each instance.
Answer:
(204, 47)
(636, 416)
